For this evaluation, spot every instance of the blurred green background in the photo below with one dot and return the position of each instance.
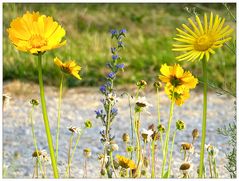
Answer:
(151, 29)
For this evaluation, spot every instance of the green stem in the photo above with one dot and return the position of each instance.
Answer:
(74, 150)
(214, 167)
(69, 155)
(210, 166)
(112, 164)
(137, 123)
(204, 120)
(45, 117)
(131, 127)
(165, 152)
(153, 159)
(159, 119)
(35, 141)
(171, 154)
(59, 117)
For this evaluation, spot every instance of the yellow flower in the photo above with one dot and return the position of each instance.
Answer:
(125, 162)
(201, 39)
(179, 96)
(69, 67)
(36, 33)
(175, 76)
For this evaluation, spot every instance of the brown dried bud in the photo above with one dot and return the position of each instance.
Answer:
(125, 137)
(151, 126)
(185, 166)
(186, 146)
(195, 133)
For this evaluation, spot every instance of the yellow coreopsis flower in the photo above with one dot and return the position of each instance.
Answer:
(69, 67)
(125, 162)
(201, 39)
(179, 96)
(36, 33)
(174, 76)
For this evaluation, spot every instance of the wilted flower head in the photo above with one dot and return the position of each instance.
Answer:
(142, 104)
(101, 158)
(187, 146)
(87, 152)
(35, 33)
(147, 135)
(113, 146)
(69, 67)
(180, 125)
(74, 129)
(212, 150)
(42, 154)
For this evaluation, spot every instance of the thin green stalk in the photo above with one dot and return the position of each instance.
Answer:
(153, 159)
(112, 164)
(210, 166)
(204, 120)
(45, 118)
(74, 150)
(59, 117)
(215, 167)
(171, 154)
(69, 154)
(159, 117)
(35, 141)
(131, 126)
(139, 155)
(167, 135)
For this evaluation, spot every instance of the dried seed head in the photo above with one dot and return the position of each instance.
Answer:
(125, 137)
(141, 84)
(36, 153)
(157, 84)
(161, 128)
(186, 146)
(88, 124)
(185, 166)
(87, 152)
(195, 133)
(34, 102)
(180, 125)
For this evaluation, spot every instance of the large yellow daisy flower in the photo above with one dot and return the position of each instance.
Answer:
(69, 67)
(35, 33)
(125, 162)
(201, 39)
(179, 96)
(174, 76)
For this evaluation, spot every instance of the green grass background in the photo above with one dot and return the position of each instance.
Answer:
(151, 29)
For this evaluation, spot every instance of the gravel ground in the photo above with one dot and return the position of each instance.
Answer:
(78, 105)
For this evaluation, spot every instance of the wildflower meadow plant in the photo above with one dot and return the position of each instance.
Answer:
(36, 34)
(199, 42)
(109, 112)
